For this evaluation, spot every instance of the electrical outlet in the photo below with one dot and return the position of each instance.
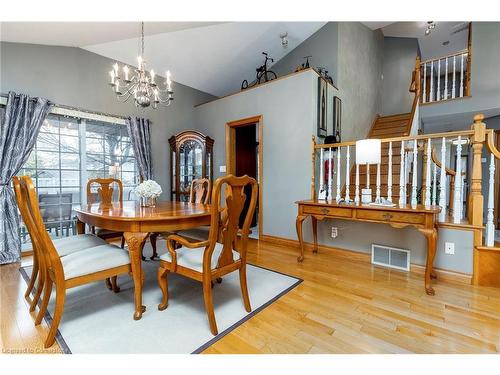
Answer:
(222, 169)
(449, 248)
(335, 232)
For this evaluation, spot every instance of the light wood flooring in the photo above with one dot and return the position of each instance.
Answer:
(342, 306)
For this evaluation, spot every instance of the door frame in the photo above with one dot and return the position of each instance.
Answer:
(231, 154)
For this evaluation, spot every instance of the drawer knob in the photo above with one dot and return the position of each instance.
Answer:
(324, 210)
(387, 216)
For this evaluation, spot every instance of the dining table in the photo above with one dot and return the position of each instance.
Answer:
(137, 223)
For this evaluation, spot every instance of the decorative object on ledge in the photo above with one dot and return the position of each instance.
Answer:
(141, 85)
(322, 108)
(324, 73)
(304, 65)
(263, 74)
(368, 151)
(337, 118)
(148, 191)
(191, 157)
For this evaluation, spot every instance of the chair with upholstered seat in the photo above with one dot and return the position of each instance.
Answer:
(199, 192)
(104, 194)
(78, 268)
(64, 246)
(209, 260)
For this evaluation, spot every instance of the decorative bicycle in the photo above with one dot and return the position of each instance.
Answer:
(263, 74)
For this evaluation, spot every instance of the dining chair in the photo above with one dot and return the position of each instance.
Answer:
(209, 260)
(199, 192)
(101, 190)
(65, 272)
(63, 246)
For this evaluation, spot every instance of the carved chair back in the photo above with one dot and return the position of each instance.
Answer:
(225, 216)
(33, 220)
(104, 190)
(200, 191)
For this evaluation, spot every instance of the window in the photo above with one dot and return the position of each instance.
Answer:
(68, 152)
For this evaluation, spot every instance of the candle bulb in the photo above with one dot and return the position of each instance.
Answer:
(139, 60)
(115, 67)
(117, 87)
(125, 71)
(152, 76)
(112, 74)
(156, 96)
(169, 81)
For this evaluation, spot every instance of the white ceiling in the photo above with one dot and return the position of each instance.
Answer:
(431, 45)
(210, 56)
(79, 34)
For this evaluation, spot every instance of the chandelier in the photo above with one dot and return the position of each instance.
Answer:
(141, 85)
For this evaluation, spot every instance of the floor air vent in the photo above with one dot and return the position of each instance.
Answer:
(391, 257)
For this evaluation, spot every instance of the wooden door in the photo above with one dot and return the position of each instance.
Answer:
(246, 147)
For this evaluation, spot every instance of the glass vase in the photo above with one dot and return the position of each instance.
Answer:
(148, 202)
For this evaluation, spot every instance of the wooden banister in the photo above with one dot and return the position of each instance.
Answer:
(490, 142)
(475, 202)
(469, 60)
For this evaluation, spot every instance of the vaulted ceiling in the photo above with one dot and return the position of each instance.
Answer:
(213, 57)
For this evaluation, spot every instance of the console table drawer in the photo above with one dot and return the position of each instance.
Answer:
(327, 211)
(398, 217)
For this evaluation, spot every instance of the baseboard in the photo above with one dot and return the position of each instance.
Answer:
(27, 253)
(442, 274)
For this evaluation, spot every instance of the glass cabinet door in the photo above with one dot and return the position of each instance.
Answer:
(190, 165)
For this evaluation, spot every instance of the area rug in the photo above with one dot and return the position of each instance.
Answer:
(96, 320)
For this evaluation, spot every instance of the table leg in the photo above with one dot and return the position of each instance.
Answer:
(135, 242)
(298, 226)
(80, 227)
(315, 233)
(431, 236)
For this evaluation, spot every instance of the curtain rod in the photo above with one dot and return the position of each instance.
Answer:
(65, 110)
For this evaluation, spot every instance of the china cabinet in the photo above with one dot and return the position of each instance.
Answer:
(191, 156)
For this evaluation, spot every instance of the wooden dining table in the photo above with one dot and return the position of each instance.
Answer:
(136, 223)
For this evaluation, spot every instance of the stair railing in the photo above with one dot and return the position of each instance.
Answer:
(492, 182)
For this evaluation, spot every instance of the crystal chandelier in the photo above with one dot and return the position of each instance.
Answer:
(140, 85)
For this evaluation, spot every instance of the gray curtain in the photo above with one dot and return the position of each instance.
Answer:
(138, 131)
(19, 129)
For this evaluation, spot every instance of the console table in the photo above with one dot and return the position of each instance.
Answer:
(421, 217)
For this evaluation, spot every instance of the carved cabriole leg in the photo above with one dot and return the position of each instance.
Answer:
(298, 226)
(58, 311)
(135, 242)
(244, 288)
(114, 284)
(209, 305)
(314, 222)
(108, 284)
(80, 227)
(431, 236)
(152, 238)
(163, 283)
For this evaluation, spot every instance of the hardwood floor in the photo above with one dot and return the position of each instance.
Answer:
(343, 306)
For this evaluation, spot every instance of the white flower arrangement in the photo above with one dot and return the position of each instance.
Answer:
(148, 189)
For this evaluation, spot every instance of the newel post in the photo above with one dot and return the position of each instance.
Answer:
(475, 202)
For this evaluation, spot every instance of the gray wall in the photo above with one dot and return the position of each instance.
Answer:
(322, 46)
(485, 77)
(78, 78)
(399, 63)
(288, 110)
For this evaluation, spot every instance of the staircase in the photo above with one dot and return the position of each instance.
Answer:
(386, 127)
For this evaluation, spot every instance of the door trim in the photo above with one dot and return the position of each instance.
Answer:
(231, 153)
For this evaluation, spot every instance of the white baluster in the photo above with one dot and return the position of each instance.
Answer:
(442, 182)
(356, 194)
(432, 82)
(434, 185)
(389, 175)
(347, 176)
(457, 203)
(490, 226)
(453, 87)
(446, 80)
(338, 197)
(423, 92)
(402, 201)
(321, 192)
(414, 176)
(428, 175)
(330, 167)
(377, 196)
(461, 75)
(438, 93)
